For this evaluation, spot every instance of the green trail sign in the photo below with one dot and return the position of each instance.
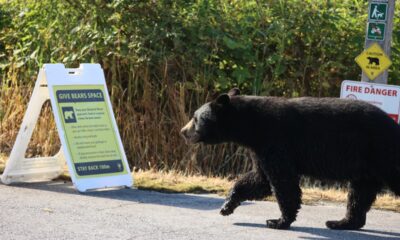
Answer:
(376, 31)
(378, 11)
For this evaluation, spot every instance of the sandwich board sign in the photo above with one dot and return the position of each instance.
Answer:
(90, 141)
(386, 97)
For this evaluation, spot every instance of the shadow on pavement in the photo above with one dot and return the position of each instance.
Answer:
(258, 225)
(179, 200)
(328, 234)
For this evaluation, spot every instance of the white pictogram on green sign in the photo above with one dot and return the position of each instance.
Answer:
(378, 11)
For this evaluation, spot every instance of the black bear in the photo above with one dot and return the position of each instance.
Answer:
(323, 138)
(372, 60)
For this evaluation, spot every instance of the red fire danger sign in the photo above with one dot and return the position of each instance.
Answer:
(386, 97)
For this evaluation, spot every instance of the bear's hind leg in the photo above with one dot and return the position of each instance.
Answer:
(360, 198)
(252, 186)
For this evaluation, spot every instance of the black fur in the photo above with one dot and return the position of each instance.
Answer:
(323, 138)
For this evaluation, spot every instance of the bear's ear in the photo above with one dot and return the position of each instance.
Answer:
(234, 92)
(223, 99)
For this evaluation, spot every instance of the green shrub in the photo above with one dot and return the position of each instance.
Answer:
(162, 59)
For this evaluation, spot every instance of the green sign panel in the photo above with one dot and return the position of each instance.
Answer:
(376, 31)
(378, 11)
(89, 130)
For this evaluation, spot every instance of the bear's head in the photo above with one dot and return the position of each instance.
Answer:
(209, 122)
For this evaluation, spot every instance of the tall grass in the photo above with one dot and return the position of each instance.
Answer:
(163, 59)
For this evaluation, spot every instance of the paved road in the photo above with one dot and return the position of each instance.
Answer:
(56, 211)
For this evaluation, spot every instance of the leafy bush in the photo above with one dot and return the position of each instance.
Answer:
(162, 59)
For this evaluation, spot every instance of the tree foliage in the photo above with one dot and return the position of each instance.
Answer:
(164, 58)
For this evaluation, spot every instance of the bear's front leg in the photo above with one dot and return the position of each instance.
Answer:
(252, 186)
(288, 194)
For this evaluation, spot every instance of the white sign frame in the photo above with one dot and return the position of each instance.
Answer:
(386, 97)
(21, 169)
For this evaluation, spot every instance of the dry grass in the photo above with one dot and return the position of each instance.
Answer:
(13, 103)
(149, 126)
(174, 182)
(2, 161)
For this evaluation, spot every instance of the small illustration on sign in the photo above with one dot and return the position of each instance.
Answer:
(373, 60)
(351, 96)
(69, 114)
(378, 11)
(376, 31)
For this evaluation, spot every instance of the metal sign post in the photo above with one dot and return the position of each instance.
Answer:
(379, 30)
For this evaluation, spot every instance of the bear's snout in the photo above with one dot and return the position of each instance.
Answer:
(188, 132)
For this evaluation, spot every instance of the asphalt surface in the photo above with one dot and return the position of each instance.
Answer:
(56, 210)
